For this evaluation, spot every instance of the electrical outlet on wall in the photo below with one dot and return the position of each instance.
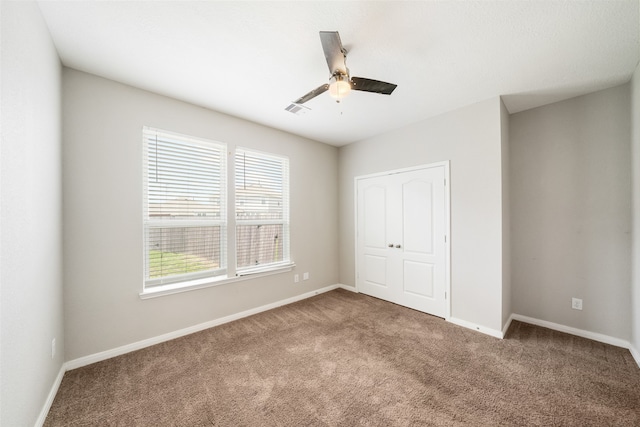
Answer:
(296, 278)
(576, 303)
(305, 276)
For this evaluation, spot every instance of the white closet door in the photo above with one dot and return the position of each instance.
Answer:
(401, 246)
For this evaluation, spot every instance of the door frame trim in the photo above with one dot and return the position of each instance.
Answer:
(447, 220)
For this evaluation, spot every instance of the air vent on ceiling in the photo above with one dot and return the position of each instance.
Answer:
(297, 109)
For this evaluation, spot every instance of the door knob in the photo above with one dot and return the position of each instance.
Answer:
(398, 246)
(390, 245)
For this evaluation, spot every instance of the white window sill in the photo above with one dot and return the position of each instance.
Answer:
(191, 285)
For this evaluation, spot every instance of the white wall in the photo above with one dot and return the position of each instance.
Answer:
(635, 158)
(506, 216)
(30, 215)
(102, 125)
(571, 212)
(471, 139)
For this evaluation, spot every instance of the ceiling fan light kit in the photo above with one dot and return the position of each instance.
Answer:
(339, 86)
(340, 83)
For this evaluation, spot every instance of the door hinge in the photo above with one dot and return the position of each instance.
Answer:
(445, 238)
(445, 295)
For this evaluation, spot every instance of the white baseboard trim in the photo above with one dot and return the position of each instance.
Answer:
(52, 395)
(505, 328)
(635, 353)
(104, 355)
(348, 288)
(469, 325)
(573, 331)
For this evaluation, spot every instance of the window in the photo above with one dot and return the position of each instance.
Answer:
(184, 211)
(261, 211)
(188, 229)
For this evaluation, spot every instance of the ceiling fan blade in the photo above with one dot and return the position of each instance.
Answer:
(317, 91)
(296, 105)
(333, 51)
(376, 86)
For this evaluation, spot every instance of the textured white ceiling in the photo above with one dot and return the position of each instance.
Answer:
(251, 59)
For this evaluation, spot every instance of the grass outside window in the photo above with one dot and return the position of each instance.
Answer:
(164, 264)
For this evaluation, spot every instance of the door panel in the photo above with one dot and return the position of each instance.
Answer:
(374, 218)
(417, 199)
(373, 252)
(375, 270)
(401, 248)
(418, 278)
(423, 213)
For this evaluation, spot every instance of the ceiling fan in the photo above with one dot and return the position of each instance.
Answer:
(340, 82)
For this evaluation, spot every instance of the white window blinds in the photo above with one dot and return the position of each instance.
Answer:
(184, 211)
(262, 210)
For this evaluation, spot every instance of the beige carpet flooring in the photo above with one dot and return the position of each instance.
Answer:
(344, 359)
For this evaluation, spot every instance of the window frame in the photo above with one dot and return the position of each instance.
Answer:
(228, 272)
(284, 221)
(150, 223)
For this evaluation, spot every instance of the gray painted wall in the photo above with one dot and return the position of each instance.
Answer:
(635, 158)
(102, 181)
(571, 212)
(471, 139)
(30, 215)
